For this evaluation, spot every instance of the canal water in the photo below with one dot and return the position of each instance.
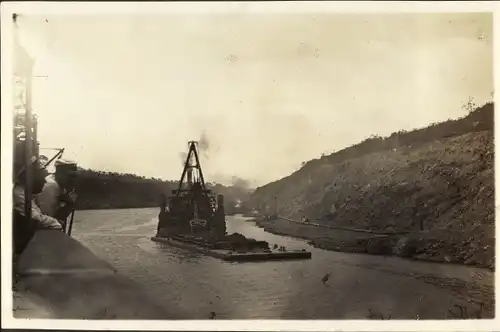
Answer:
(359, 286)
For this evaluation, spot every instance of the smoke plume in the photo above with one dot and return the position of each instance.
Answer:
(204, 145)
(240, 183)
(183, 155)
(203, 148)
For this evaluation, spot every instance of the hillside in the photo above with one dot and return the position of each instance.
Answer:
(101, 190)
(439, 179)
(109, 190)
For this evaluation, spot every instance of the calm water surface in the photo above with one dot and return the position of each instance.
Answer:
(198, 285)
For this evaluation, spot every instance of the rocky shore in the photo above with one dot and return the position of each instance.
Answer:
(434, 246)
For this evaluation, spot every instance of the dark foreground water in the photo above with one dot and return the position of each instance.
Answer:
(198, 285)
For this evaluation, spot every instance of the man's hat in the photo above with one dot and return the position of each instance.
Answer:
(65, 165)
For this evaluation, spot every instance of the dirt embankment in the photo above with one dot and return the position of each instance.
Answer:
(440, 190)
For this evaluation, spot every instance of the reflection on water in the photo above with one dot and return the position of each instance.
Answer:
(269, 290)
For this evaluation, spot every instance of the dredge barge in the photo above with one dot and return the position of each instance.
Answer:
(193, 219)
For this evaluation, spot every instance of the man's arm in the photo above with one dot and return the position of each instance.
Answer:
(42, 220)
(48, 199)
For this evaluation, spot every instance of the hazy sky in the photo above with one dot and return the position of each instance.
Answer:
(126, 93)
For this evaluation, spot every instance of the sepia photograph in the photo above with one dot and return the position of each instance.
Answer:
(245, 162)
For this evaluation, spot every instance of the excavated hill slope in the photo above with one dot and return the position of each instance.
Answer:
(439, 178)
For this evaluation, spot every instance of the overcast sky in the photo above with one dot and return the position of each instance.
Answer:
(126, 93)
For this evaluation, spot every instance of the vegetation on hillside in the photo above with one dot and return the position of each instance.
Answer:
(478, 119)
(101, 190)
(434, 182)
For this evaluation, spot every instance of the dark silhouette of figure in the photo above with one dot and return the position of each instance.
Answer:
(24, 229)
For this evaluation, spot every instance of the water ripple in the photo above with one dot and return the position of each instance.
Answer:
(266, 290)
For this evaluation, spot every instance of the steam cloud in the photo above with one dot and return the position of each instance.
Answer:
(240, 183)
(203, 148)
(204, 153)
(204, 145)
(183, 155)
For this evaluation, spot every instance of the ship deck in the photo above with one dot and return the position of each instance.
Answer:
(233, 256)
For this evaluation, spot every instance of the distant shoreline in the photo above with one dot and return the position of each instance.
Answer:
(115, 208)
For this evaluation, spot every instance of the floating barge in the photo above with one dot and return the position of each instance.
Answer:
(236, 256)
(193, 219)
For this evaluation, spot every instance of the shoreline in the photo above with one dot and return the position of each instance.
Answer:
(397, 245)
(115, 208)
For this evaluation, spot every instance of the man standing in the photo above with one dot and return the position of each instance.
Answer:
(57, 198)
(23, 229)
